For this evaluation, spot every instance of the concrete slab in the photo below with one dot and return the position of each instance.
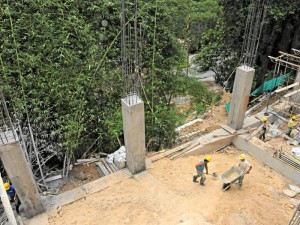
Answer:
(295, 202)
(251, 121)
(294, 188)
(289, 193)
(211, 146)
(54, 202)
(41, 219)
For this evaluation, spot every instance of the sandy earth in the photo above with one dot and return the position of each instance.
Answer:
(165, 194)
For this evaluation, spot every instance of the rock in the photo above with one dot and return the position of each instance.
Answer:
(82, 176)
(58, 209)
(295, 202)
(294, 188)
(289, 193)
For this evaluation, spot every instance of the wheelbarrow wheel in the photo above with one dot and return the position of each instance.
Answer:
(226, 186)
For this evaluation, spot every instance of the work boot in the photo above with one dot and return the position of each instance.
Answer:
(195, 179)
(202, 184)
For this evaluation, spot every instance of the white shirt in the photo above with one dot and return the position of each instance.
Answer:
(244, 165)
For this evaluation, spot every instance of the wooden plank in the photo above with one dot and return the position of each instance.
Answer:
(114, 166)
(291, 93)
(287, 87)
(165, 154)
(49, 179)
(102, 168)
(184, 151)
(107, 166)
(228, 128)
(87, 160)
(254, 133)
(288, 138)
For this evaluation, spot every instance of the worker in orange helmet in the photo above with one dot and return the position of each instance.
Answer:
(200, 169)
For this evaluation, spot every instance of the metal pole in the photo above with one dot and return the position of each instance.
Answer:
(6, 203)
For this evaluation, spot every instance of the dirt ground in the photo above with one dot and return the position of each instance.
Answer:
(165, 194)
(81, 174)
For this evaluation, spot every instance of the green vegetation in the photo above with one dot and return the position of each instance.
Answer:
(60, 63)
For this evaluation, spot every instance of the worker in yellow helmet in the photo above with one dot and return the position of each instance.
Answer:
(245, 166)
(264, 128)
(291, 125)
(200, 169)
(12, 195)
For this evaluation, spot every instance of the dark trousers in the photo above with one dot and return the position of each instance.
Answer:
(263, 135)
(289, 131)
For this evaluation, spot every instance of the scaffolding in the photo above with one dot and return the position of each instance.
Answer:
(289, 102)
(7, 128)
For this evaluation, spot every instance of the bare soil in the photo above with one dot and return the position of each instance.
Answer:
(165, 194)
(81, 174)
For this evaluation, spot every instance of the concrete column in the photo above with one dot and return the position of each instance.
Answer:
(21, 177)
(240, 96)
(296, 97)
(134, 133)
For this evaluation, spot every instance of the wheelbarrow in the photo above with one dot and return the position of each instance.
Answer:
(230, 176)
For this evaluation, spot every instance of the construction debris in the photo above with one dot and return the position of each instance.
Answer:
(289, 193)
(189, 124)
(118, 158)
(254, 133)
(106, 168)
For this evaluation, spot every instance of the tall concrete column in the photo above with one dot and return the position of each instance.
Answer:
(134, 133)
(21, 177)
(296, 97)
(240, 96)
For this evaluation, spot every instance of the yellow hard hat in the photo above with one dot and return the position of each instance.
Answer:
(265, 118)
(208, 158)
(6, 186)
(294, 117)
(242, 156)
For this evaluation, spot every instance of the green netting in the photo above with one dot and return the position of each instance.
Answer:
(227, 106)
(266, 86)
(271, 84)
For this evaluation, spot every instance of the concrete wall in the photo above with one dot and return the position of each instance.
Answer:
(240, 96)
(211, 146)
(21, 177)
(266, 158)
(134, 135)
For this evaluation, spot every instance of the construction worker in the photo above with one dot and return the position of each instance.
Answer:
(10, 190)
(200, 168)
(12, 195)
(245, 166)
(291, 125)
(264, 128)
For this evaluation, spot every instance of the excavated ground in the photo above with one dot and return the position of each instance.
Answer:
(165, 194)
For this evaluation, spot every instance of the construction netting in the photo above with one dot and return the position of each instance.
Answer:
(266, 86)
